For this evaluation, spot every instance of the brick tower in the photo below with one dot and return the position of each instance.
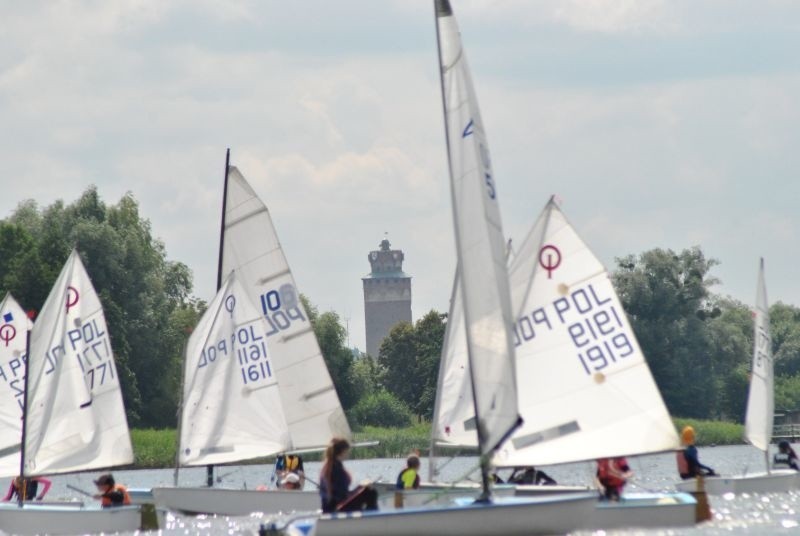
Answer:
(387, 295)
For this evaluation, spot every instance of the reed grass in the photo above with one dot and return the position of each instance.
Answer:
(156, 448)
(713, 432)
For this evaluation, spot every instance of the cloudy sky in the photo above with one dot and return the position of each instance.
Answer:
(658, 123)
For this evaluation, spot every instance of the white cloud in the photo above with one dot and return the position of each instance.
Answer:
(333, 113)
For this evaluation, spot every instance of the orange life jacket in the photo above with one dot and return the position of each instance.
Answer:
(118, 488)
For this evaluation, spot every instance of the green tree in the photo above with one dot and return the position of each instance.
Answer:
(409, 357)
(332, 338)
(731, 337)
(381, 408)
(785, 332)
(140, 289)
(666, 296)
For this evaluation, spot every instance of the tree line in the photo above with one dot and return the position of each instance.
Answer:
(698, 343)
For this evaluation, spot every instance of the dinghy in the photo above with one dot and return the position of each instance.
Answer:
(310, 406)
(232, 409)
(486, 310)
(760, 416)
(73, 415)
(585, 389)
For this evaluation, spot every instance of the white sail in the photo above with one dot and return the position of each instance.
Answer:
(14, 324)
(75, 418)
(454, 412)
(231, 404)
(251, 247)
(761, 400)
(480, 244)
(575, 405)
(588, 392)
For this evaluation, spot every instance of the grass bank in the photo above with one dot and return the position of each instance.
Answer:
(713, 432)
(153, 449)
(156, 448)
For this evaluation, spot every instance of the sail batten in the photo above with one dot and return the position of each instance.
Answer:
(761, 398)
(75, 416)
(252, 248)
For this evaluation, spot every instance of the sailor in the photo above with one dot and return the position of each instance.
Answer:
(530, 475)
(287, 464)
(27, 488)
(786, 456)
(334, 483)
(290, 481)
(409, 477)
(689, 465)
(110, 493)
(612, 475)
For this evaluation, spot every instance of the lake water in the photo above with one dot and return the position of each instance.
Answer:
(744, 514)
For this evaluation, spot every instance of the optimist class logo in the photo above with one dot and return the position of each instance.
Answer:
(72, 297)
(7, 330)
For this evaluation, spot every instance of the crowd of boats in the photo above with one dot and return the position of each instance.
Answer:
(544, 316)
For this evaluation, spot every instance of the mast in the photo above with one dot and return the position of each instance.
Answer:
(442, 8)
(222, 219)
(210, 468)
(21, 493)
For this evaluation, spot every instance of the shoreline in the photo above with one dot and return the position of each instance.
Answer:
(155, 449)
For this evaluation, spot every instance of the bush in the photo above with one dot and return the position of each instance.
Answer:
(380, 409)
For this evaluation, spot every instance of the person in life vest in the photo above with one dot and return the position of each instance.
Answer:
(334, 483)
(786, 456)
(27, 488)
(689, 465)
(613, 474)
(291, 482)
(287, 464)
(110, 493)
(409, 477)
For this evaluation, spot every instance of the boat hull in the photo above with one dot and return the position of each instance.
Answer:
(43, 519)
(512, 516)
(775, 482)
(234, 502)
(645, 510)
(141, 495)
(389, 497)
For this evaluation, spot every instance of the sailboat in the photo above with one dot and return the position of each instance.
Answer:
(585, 390)
(14, 326)
(486, 310)
(73, 415)
(249, 245)
(759, 417)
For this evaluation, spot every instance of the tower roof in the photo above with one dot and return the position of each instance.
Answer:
(386, 262)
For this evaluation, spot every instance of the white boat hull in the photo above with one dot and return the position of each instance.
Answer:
(141, 495)
(512, 516)
(43, 519)
(775, 482)
(389, 497)
(234, 502)
(645, 510)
